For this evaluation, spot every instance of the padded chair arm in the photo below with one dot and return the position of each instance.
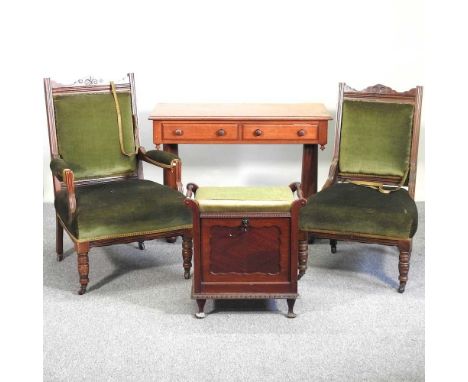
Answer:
(159, 158)
(332, 174)
(61, 170)
(167, 161)
(57, 166)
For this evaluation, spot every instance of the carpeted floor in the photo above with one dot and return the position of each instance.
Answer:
(136, 321)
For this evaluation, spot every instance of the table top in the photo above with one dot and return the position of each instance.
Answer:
(236, 111)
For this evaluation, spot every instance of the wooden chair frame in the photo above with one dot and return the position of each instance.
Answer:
(172, 178)
(378, 93)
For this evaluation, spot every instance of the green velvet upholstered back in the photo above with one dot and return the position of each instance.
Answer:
(375, 138)
(88, 134)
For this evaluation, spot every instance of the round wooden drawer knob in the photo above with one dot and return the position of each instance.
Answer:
(258, 132)
(179, 132)
(301, 133)
(221, 133)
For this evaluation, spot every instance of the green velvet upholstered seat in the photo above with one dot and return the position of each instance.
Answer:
(124, 208)
(244, 199)
(352, 209)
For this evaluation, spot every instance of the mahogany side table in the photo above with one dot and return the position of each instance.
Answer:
(305, 123)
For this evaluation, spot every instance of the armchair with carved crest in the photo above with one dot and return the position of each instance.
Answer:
(368, 196)
(101, 196)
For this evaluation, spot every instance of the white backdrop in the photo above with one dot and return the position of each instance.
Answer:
(236, 52)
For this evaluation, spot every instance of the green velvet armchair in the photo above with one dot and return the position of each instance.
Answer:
(101, 197)
(368, 196)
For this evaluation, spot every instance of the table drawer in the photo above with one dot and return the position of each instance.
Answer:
(296, 131)
(200, 131)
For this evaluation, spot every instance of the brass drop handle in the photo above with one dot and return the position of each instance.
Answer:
(301, 132)
(221, 133)
(244, 225)
(258, 132)
(179, 132)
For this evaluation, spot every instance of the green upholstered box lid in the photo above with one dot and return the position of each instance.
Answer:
(245, 199)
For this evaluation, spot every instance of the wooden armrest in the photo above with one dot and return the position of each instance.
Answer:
(191, 190)
(69, 180)
(58, 166)
(296, 187)
(332, 174)
(62, 171)
(299, 202)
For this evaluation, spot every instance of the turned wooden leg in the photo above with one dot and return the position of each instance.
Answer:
(187, 250)
(291, 302)
(333, 245)
(171, 239)
(59, 239)
(141, 245)
(82, 250)
(303, 254)
(201, 308)
(403, 265)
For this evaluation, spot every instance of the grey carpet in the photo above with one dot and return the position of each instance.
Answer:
(136, 321)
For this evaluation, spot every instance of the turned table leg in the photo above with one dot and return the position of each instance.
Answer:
(170, 177)
(309, 170)
(309, 173)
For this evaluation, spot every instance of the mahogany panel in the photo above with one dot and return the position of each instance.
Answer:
(257, 252)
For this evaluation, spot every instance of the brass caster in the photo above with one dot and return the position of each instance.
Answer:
(187, 275)
(291, 315)
(401, 288)
(59, 257)
(200, 315)
(82, 290)
(171, 240)
(141, 245)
